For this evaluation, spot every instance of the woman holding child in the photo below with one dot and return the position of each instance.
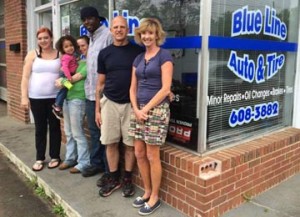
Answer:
(77, 150)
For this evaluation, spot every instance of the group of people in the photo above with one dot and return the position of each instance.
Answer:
(121, 87)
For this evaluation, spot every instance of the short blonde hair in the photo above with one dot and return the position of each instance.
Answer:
(152, 25)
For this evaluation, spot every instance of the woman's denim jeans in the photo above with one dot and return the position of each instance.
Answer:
(77, 149)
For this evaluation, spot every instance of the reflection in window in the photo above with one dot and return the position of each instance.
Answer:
(71, 12)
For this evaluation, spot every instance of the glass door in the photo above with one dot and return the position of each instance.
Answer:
(45, 19)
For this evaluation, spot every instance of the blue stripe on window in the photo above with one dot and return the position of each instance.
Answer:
(2, 45)
(216, 42)
(183, 42)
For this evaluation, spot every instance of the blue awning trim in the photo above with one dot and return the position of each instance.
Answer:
(188, 42)
(217, 42)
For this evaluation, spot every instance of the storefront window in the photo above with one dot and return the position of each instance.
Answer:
(252, 69)
(252, 48)
(180, 20)
(70, 15)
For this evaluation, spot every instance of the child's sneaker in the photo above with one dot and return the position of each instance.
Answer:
(57, 111)
(58, 114)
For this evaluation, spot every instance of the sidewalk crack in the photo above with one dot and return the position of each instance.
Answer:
(271, 209)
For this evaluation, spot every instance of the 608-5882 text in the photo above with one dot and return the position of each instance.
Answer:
(245, 115)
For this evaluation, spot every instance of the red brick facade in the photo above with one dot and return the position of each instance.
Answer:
(247, 170)
(15, 32)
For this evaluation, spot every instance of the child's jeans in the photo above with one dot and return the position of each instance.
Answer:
(62, 94)
(60, 97)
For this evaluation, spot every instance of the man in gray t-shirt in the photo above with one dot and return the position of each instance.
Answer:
(100, 38)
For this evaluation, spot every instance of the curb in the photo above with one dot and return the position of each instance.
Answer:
(24, 169)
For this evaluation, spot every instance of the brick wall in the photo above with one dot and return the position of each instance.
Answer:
(193, 187)
(15, 32)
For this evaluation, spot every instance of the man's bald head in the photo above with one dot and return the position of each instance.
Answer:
(119, 19)
(119, 30)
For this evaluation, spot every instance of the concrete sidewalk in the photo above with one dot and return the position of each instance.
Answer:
(282, 200)
(79, 196)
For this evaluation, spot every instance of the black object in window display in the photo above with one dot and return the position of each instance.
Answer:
(183, 126)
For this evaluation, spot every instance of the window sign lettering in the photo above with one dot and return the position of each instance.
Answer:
(274, 63)
(254, 71)
(249, 70)
(273, 25)
(243, 67)
(246, 22)
(84, 31)
(259, 111)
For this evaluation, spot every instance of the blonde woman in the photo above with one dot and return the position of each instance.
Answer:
(149, 95)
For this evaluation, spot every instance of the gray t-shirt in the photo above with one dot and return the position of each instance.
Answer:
(149, 75)
(100, 39)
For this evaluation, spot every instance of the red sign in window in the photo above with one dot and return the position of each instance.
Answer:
(180, 130)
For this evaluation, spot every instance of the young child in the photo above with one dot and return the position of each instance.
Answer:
(68, 47)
